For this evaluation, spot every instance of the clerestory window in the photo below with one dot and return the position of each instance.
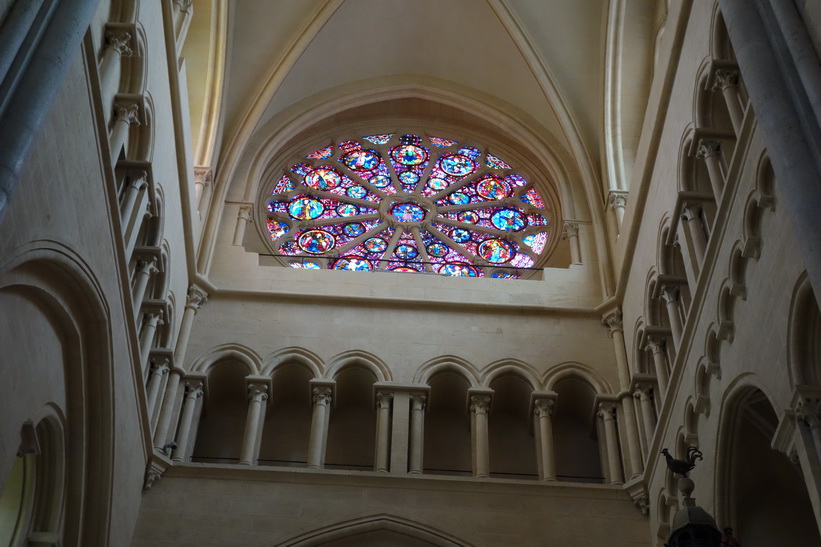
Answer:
(408, 203)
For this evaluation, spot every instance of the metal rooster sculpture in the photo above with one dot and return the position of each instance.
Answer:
(682, 467)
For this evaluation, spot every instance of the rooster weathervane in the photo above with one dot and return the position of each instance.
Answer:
(682, 467)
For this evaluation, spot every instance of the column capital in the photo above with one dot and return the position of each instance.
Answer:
(118, 39)
(155, 315)
(203, 175)
(617, 199)
(383, 399)
(196, 298)
(257, 392)
(184, 5)
(656, 344)
(613, 322)
(148, 263)
(194, 388)
(418, 400)
(160, 365)
(480, 404)
(321, 395)
(128, 112)
(543, 407)
(245, 213)
(570, 229)
(724, 78)
(669, 293)
(643, 391)
(806, 405)
(690, 211)
(138, 178)
(707, 148)
(606, 410)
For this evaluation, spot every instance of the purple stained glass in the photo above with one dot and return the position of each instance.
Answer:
(284, 185)
(305, 208)
(533, 198)
(440, 142)
(316, 241)
(496, 251)
(409, 154)
(322, 153)
(509, 219)
(354, 263)
(472, 209)
(379, 139)
(470, 152)
(493, 188)
(277, 229)
(536, 241)
(323, 178)
(408, 212)
(457, 165)
(362, 160)
(496, 163)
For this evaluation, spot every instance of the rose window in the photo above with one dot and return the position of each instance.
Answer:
(407, 204)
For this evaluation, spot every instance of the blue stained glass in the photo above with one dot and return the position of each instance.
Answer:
(496, 163)
(408, 212)
(460, 235)
(379, 139)
(354, 263)
(458, 269)
(376, 245)
(380, 181)
(440, 142)
(323, 178)
(509, 219)
(356, 192)
(316, 241)
(459, 198)
(305, 208)
(470, 152)
(354, 229)
(466, 224)
(457, 165)
(322, 153)
(409, 154)
(406, 251)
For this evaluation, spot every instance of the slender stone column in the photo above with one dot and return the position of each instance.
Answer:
(570, 232)
(127, 114)
(656, 345)
(479, 407)
(543, 430)
(243, 218)
(169, 407)
(319, 423)
(159, 368)
(194, 301)
(606, 413)
(193, 391)
(726, 81)
(618, 202)
(202, 180)
(648, 413)
(691, 216)
(139, 180)
(146, 268)
(383, 425)
(257, 397)
(708, 151)
(780, 76)
(153, 319)
(616, 331)
(670, 296)
(417, 432)
(116, 47)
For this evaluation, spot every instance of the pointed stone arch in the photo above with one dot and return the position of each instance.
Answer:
(397, 527)
(293, 354)
(365, 359)
(239, 353)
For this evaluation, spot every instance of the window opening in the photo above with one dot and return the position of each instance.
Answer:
(405, 203)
